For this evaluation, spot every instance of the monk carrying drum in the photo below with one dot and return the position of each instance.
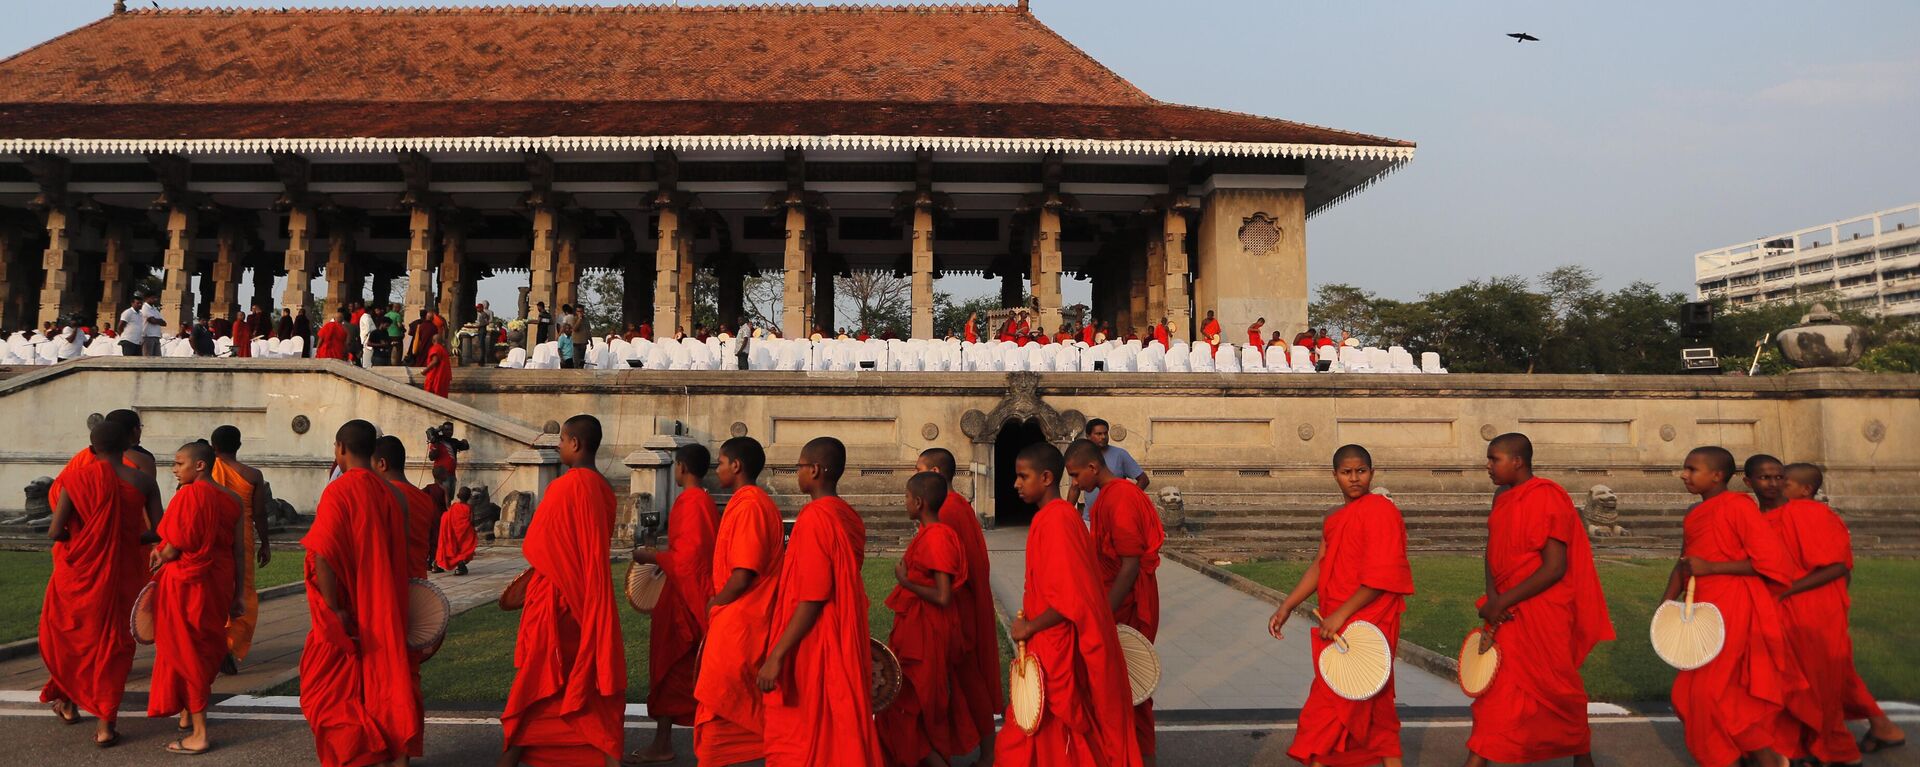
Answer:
(680, 615)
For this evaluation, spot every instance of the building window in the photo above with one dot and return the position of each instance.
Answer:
(1779, 274)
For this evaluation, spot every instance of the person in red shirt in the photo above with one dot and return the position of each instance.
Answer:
(976, 671)
(1253, 333)
(1360, 573)
(1126, 540)
(196, 580)
(331, 343)
(729, 722)
(1066, 623)
(927, 722)
(1542, 590)
(680, 617)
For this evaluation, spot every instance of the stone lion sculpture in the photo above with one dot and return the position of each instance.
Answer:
(38, 510)
(486, 513)
(281, 514)
(1173, 509)
(517, 507)
(1602, 513)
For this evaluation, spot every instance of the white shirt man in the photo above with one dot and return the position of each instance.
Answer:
(73, 343)
(133, 331)
(156, 326)
(367, 327)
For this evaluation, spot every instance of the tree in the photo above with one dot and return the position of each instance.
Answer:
(762, 299)
(876, 302)
(950, 319)
(1346, 309)
(601, 295)
(1489, 326)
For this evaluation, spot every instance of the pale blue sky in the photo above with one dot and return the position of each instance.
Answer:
(1633, 135)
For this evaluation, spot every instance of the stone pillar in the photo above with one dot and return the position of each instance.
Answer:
(540, 263)
(383, 286)
(731, 295)
(420, 263)
(686, 274)
(263, 273)
(343, 281)
(1136, 275)
(14, 299)
(823, 301)
(796, 305)
(299, 264)
(666, 274)
(225, 298)
(1174, 246)
(922, 273)
(57, 295)
(650, 488)
(566, 264)
(176, 293)
(1046, 270)
(455, 305)
(116, 277)
(1242, 284)
(1011, 292)
(636, 300)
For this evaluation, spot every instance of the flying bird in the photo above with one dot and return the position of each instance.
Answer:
(1522, 37)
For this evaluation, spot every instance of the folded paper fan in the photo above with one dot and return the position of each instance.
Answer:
(141, 622)
(644, 584)
(428, 613)
(1026, 690)
(1359, 663)
(1688, 635)
(886, 674)
(1477, 667)
(1143, 663)
(514, 596)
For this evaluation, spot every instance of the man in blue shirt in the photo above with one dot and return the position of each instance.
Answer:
(1119, 461)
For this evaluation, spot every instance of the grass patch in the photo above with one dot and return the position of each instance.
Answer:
(1626, 669)
(23, 586)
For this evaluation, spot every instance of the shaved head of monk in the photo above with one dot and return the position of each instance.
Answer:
(1706, 471)
(108, 438)
(126, 418)
(693, 459)
(1036, 473)
(1353, 471)
(192, 462)
(1766, 477)
(741, 461)
(938, 460)
(389, 456)
(353, 444)
(226, 439)
(1086, 464)
(1510, 459)
(926, 491)
(827, 457)
(1803, 481)
(579, 440)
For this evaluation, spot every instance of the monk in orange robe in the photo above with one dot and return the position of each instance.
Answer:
(728, 720)
(1088, 720)
(1745, 702)
(437, 379)
(1126, 538)
(818, 675)
(1210, 332)
(1542, 590)
(390, 462)
(196, 582)
(100, 563)
(976, 672)
(133, 457)
(972, 333)
(1254, 341)
(355, 673)
(1361, 573)
(251, 487)
(1163, 335)
(457, 539)
(568, 702)
(680, 617)
(919, 728)
(330, 341)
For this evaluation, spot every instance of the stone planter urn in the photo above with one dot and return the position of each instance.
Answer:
(1820, 341)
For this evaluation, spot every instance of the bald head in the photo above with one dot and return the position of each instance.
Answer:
(1350, 452)
(226, 439)
(356, 437)
(1806, 475)
(108, 437)
(1043, 457)
(1083, 452)
(127, 419)
(390, 454)
(929, 488)
(747, 452)
(1716, 458)
(1515, 444)
(1758, 462)
(197, 452)
(585, 429)
(828, 454)
(939, 459)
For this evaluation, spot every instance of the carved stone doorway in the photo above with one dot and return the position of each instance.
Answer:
(1015, 435)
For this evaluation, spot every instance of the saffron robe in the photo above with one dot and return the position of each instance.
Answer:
(1126, 524)
(926, 637)
(568, 701)
(331, 342)
(1088, 721)
(421, 513)
(240, 629)
(192, 596)
(680, 617)
(1210, 332)
(242, 338)
(1161, 335)
(1536, 709)
(355, 676)
(1816, 623)
(457, 540)
(822, 711)
(1735, 703)
(97, 573)
(1363, 543)
(976, 672)
(728, 720)
(438, 378)
(1253, 338)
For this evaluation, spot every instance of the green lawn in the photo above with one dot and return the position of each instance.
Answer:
(23, 585)
(1441, 613)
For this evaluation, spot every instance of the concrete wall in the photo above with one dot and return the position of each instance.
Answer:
(1242, 285)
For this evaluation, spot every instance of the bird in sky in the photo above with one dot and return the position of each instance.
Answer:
(1522, 37)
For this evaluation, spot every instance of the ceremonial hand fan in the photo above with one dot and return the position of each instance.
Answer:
(514, 596)
(1026, 689)
(886, 675)
(1688, 635)
(1479, 660)
(644, 584)
(428, 612)
(1143, 663)
(1359, 663)
(141, 622)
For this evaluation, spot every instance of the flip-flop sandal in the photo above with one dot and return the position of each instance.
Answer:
(113, 739)
(637, 758)
(75, 718)
(1874, 745)
(180, 747)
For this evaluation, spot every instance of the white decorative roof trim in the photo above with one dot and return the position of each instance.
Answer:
(704, 143)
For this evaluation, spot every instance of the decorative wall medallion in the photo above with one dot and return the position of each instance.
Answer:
(973, 423)
(301, 424)
(1874, 431)
(1306, 432)
(1259, 234)
(929, 431)
(552, 427)
(1668, 433)
(1487, 431)
(93, 421)
(1115, 432)
(738, 429)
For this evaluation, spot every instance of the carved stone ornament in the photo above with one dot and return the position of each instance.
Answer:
(1306, 432)
(1668, 433)
(738, 429)
(973, 423)
(1487, 431)
(929, 431)
(93, 421)
(301, 424)
(551, 427)
(1115, 432)
(1874, 430)
(1022, 403)
(1259, 234)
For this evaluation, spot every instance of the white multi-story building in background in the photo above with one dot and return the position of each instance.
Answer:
(1869, 262)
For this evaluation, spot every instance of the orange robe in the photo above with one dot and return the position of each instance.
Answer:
(680, 617)
(728, 721)
(421, 513)
(1161, 335)
(240, 629)
(1125, 524)
(976, 672)
(1088, 721)
(568, 702)
(330, 342)
(972, 333)
(355, 688)
(1536, 709)
(1363, 543)
(97, 573)
(438, 378)
(1253, 339)
(927, 636)
(457, 540)
(191, 598)
(822, 711)
(1739, 702)
(1816, 624)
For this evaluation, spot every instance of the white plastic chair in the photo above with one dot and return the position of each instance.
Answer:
(1302, 360)
(1252, 361)
(516, 359)
(1430, 363)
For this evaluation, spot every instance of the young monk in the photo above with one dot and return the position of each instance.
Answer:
(568, 701)
(1068, 627)
(390, 462)
(976, 671)
(1126, 539)
(457, 540)
(1360, 573)
(680, 617)
(196, 584)
(437, 379)
(99, 566)
(1816, 608)
(1766, 476)
(728, 720)
(919, 728)
(356, 686)
(1732, 708)
(1543, 596)
(251, 487)
(818, 676)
